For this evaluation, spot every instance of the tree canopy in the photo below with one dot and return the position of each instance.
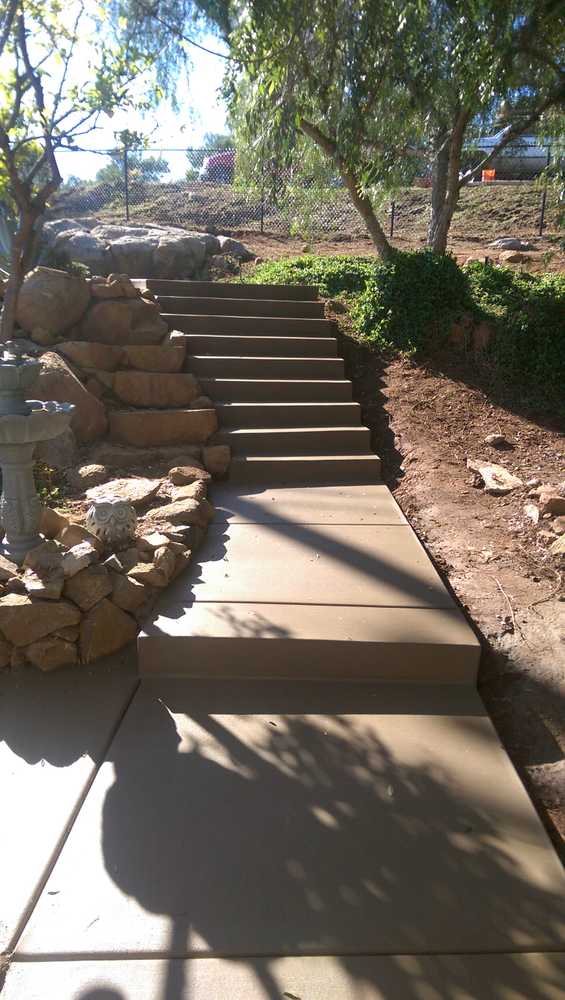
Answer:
(381, 84)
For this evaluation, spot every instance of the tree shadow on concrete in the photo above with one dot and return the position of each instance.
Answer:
(285, 834)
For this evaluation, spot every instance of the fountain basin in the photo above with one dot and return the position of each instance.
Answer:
(42, 422)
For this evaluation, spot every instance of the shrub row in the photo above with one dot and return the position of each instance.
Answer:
(410, 302)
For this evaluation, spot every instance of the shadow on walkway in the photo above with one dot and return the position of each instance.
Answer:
(307, 836)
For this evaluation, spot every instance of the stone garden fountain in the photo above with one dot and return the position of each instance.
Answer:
(23, 422)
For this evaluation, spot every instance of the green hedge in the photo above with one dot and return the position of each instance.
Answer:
(410, 302)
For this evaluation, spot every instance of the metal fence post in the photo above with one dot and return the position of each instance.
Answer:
(126, 182)
(262, 223)
(544, 196)
(392, 211)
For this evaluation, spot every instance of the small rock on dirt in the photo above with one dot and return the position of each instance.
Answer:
(498, 480)
(531, 512)
(497, 441)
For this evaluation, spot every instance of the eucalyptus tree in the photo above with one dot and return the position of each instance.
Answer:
(380, 84)
(53, 89)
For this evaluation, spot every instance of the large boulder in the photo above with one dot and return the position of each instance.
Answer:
(152, 428)
(57, 381)
(140, 251)
(124, 321)
(52, 300)
(85, 354)
(234, 248)
(156, 389)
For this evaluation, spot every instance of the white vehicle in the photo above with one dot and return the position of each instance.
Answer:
(521, 159)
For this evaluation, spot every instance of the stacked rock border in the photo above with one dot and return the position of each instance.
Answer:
(142, 431)
(73, 600)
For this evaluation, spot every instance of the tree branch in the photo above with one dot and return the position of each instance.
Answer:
(361, 201)
(8, 24)
(511, 132)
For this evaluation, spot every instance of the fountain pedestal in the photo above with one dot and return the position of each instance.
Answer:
(22, 424)
(20, 506)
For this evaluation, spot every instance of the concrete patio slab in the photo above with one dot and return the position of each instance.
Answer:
(310, 641)
(221, 832)
(394, 977)
(372, 504)
(54, 731)
(371, 565)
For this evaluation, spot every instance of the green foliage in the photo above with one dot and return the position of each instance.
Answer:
(399, 303)
(140, 168)
(51, 258)
(528, 312)
(337, 276)
(51, 485)
(410, 302)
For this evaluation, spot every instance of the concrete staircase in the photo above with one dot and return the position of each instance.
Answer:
(310, 570)
(268, 358)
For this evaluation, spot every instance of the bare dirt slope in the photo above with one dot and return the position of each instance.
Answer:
(426, 422)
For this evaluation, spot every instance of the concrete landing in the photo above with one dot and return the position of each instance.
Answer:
(259, 820)
(392, 977)
(54, 732)
(325, 582)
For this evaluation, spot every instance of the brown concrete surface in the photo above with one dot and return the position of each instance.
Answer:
(237, 820)
(310, 641)
(373, 565)
(54, 731)
(394, 977)
(351, 504)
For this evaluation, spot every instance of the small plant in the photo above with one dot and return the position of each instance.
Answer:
(51, 486)
(58, 261)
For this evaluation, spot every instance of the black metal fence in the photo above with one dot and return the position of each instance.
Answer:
(223, 191)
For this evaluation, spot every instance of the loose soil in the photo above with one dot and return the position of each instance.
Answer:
(426, 420)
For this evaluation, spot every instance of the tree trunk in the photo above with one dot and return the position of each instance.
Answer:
(446, 184)
(439, 190)
(21, 248)
(363, 205)
(361, 202)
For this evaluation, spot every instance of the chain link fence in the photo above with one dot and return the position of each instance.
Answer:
(216, 190)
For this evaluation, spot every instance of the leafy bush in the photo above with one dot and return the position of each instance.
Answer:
(528, 312)
(398, 303)
(410, 302)
(332, 276)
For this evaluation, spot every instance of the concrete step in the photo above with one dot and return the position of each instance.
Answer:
(256, 367)
(288, 414)
(271, 390)
(295, 440)
(250, 326)
(190, 305)
(238, 346)
(225, 289)
(241, 641)
(305, 468)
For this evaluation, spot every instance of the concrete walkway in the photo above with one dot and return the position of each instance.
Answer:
(193, 839)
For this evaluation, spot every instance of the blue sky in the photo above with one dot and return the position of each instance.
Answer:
(200, 110)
